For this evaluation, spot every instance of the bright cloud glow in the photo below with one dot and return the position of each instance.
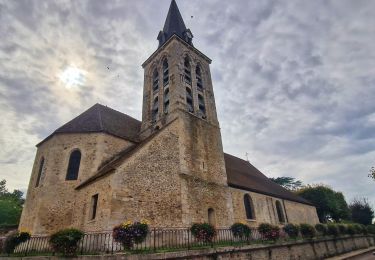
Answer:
(73, 77)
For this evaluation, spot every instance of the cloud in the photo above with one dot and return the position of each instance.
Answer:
(294, 81)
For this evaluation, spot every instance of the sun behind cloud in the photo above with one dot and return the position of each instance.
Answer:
(73, 77)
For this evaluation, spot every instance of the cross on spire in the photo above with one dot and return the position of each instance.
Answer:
(174, 24)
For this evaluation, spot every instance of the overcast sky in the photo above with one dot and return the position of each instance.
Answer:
(294, 80)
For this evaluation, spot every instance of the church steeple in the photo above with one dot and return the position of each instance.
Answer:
(174, 24)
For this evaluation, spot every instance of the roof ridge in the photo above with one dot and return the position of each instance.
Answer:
(238, 158)
(100, 117)
(117, 111)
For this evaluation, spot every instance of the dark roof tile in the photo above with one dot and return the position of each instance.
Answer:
(243, 175)
(99, 118)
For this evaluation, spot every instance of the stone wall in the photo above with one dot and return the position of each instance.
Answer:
(306, 250)
(145, 185)
(55, 203)
(265, 209)
(172, 180)
(203, 173)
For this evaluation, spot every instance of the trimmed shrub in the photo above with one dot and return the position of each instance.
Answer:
(66, 241)
(240, 230)
(129, 233)
(350, 230)
(322, 229)
(203, 232)
(371, 229)
(357, 228)
(269, 232)
(292, 230)
(332, 230)
(13, 240)
(307, 231)
(342, 228)
(363, 229)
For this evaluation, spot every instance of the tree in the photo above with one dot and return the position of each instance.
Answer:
(361, 211)
(289, 183)
(330, 204)
(10, 205)
(372, 173)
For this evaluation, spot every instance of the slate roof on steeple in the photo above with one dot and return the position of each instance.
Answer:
(174, 24)
(99, 118)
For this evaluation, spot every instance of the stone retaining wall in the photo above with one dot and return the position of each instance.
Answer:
(314, 249)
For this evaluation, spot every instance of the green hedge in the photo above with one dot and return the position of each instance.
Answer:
(66, 241)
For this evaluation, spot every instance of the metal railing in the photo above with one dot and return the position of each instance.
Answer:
(157, 239)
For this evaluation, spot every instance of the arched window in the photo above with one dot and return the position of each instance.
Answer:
(39, 176)
(73, 167)
(155, 81)
(249, 208)
(211, 216)
(202, 106)
(189, 100)
(198, 75)
(166, 101)
(165, 72)
(280, 212)
(155, 109)
(187, 71)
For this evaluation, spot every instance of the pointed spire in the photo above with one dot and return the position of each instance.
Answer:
(174, 24)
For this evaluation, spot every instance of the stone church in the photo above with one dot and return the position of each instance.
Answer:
(104, 167)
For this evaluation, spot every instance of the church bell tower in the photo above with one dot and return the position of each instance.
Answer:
(178, 91)
(177, 78)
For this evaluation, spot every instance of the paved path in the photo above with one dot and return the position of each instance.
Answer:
(367, 256)
(363, 254)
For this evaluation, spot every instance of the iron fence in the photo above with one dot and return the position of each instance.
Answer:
(157, 239)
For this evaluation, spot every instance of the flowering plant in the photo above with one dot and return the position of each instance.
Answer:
(130, 233)
(203, 232)
(269, 232)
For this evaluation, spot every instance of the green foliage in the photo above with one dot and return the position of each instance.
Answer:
(342, 228)
(10, 205)
(269, 232)
(329, 203)
(361, 211)
(14, 239)
(332, 230)
(350, 230)
(289, 183)
(371, 229)
(361, 229)
(307, 231)
(357, 228)
(292, 230)
(129, 233)
(240, 230)
(372, 173)
(66, 241)
(203, 232)
(322, 229)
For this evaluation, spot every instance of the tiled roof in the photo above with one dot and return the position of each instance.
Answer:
(100, 118)
(174, 24)
(243, 175)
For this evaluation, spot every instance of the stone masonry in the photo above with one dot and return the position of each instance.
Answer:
(172, 171)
